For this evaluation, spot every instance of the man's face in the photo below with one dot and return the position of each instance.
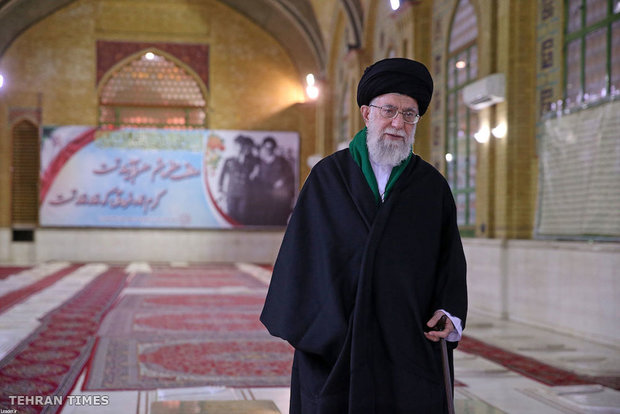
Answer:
(266, 150)
(389, 140)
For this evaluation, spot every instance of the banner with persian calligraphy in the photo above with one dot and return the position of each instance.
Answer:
(157, 178)
(579, 185)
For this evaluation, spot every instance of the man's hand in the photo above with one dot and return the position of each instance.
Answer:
(435, 335)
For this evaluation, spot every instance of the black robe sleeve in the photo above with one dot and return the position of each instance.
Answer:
(314, 280)
(451, 288)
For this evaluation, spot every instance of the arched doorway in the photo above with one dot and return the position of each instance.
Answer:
(24, 180)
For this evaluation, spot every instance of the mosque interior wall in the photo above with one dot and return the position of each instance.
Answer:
(126, 245)
(254, 85)
(252, 82)
(559, 285)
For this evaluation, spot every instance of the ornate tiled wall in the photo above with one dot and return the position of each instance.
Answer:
(53, 66)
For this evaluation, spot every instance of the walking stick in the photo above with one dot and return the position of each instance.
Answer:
(446, 375)
(446, 366)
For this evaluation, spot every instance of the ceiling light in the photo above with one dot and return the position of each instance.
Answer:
(312, 91)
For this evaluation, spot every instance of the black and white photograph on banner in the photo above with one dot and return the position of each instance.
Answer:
(251, 177)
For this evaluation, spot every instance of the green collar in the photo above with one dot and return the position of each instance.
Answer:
(359, 152)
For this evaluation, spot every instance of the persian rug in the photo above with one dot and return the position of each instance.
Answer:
(6, 271)
(198, 276)
(49, 361)
(212, 337)
(532, 368)
(11, 298)
(214, 407)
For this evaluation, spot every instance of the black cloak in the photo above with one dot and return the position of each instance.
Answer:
(355, 283)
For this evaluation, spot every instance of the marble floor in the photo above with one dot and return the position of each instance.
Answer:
(487, 387)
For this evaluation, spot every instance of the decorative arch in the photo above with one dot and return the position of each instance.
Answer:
(388, 33)
(343, 71)
(355, 18)
(370, 28)
(152, 88)
(462, 122)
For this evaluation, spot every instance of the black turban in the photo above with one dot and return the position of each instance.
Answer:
(244, 141)
(396, 75)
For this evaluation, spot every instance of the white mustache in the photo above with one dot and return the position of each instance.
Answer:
(396, 132)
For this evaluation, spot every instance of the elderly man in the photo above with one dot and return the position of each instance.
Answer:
(372, 257)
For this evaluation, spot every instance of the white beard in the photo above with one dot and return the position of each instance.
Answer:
(388, 152)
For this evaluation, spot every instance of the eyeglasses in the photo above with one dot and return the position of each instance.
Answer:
(390, 112)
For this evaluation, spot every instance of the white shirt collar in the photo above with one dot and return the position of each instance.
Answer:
(382, 175)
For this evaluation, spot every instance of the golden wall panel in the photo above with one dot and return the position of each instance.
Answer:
(159, 18)
(252, 80)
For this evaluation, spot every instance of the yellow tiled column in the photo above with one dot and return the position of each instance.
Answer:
(515, 154)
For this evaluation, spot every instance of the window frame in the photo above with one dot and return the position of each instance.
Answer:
(117, 107)
(581, 35)
(453, 93)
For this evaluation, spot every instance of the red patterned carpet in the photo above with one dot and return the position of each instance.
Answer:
(532, 368)
(205, 276)
(16, 296)
(176, 327)
(180, 339)
(6, 271)
(49, 361)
